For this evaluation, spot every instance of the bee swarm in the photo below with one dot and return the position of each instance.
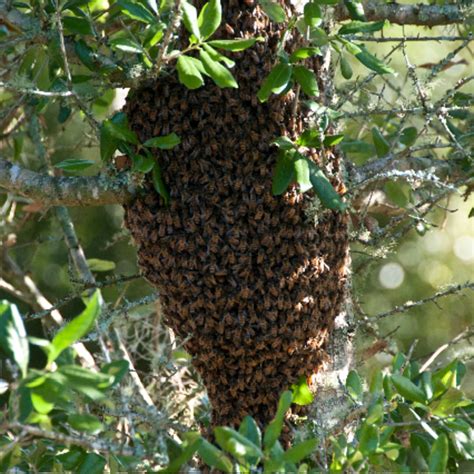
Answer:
(241, 271)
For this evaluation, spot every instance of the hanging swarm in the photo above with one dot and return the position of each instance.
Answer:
(245, 277)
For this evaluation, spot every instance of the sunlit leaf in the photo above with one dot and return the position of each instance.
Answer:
(235, 44)
(307, 80)
(276, 82)
(136, 11)
(209, 18)
(165, 142)
(189, 73)
(407, 389)
(301, 393)
(219, 73)
(77, 328)
(13, 338)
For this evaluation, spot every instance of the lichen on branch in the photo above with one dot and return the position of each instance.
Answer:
(65, 191)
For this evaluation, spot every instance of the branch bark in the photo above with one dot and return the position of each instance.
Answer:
(66, 191)
(421, 15)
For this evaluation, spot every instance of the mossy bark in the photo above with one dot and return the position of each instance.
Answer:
(246, 278)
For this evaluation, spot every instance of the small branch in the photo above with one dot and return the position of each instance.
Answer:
(413, 304)
(65, 191)
(400, 39)
(172, 26)
(87, 442)
(422, 15)
(466, 334)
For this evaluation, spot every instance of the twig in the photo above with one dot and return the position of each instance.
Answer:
(413, 304)
(173, 24)
(466, 334)
(86, 442)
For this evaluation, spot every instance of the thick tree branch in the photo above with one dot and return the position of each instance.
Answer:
(65, 191)
(422, 15)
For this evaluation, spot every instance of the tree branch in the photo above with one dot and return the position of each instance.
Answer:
(65, 191)
(422, 15)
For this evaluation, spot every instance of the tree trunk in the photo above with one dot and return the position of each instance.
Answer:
(252, 282)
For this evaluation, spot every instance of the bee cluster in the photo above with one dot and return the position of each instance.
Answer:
(242, 275)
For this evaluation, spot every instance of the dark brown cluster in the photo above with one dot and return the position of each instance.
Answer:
(251, 283)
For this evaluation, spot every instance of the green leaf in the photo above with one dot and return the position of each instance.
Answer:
(120, 131)
(284, 143)
(190, 19)
(127, 45)
(74, 164)
(448, 402)
(346, 69)
(93, 464)
(276, 82)
(326, 2)
(272, 433)
(251, 431)
(143, 164)
(159, 184)
(408, 136)
(304, 53)
(283, 174)
(84, 53)
(300, 451)
(355, 9)
(165, 142)
(382, 147)
(307, 80)
(273, 10)
(216, 56)
(407, 389)
(210, 18)
(312, 14)
(219, 74)
(98, 265)
(236, 444)
(190, 445)
(85, 422)
(234, 45)
(301, 393)
(13, 338)
(375, 413)
(332, 140)
(189, 73)
(136, 11)
(361, 27)
(75, 25)
(214, 457)
(108, 144)
(76, 328)
(371, 62)
(116, 368)
(80, 376)
(324, 189)
(368, 438)
(354, 384)
(438, 459)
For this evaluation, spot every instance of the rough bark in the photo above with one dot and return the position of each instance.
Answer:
(246, 278)
(65, 191)
(420, 14)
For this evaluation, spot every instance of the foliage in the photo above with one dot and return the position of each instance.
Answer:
(405, 420)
